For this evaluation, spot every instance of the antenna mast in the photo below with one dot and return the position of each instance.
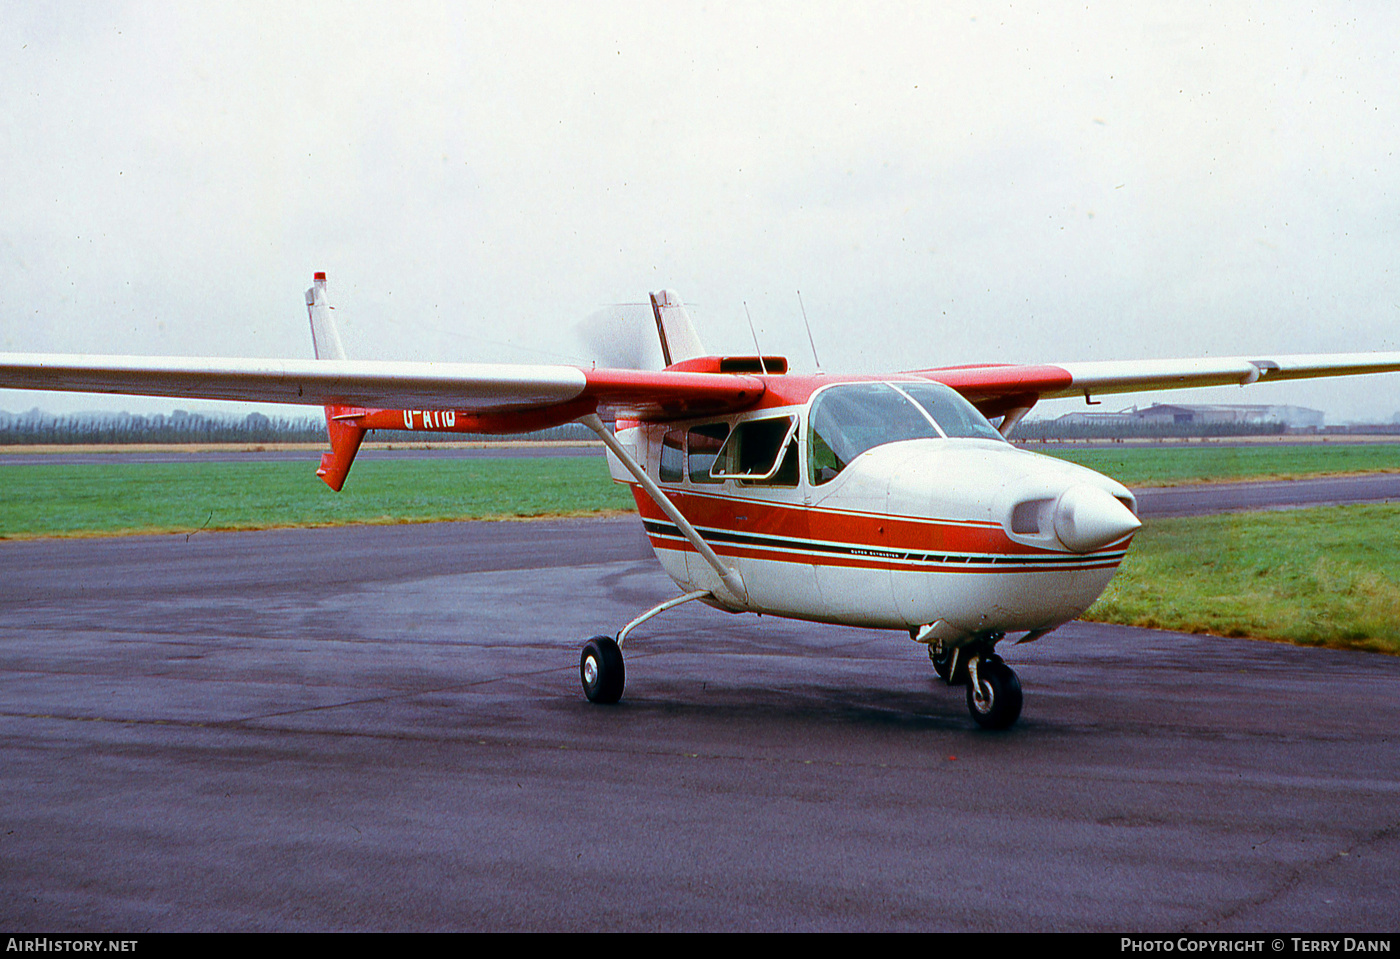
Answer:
(761, 364)
(809, 331)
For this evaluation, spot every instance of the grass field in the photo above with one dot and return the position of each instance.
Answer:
(1178, 464)
(1323, 577)
(117, 497)
(59, 500)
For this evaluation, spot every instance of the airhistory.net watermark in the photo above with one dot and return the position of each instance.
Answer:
(46, 944)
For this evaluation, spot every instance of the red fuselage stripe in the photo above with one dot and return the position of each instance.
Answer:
(848, 527)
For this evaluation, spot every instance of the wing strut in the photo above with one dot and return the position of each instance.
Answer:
(1012, 417)
(733, 582)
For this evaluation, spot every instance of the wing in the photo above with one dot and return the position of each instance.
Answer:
(365, 395)
(494, 397)
(437, 397)
(505, 388)
(476, 387)
(1000, 389)
(503, 398)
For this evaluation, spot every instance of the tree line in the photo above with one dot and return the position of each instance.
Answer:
(40, 428)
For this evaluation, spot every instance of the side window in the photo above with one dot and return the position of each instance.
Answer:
(673, 456)
(753, 450)
(705, 443)
(786, 474)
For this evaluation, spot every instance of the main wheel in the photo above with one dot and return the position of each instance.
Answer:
(995, 699)
(600, 669)
(943, 665)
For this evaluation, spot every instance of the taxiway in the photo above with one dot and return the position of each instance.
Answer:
(382, 728)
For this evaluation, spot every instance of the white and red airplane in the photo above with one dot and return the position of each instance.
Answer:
(888, 502)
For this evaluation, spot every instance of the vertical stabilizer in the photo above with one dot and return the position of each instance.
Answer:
(346, 436)
(678, 339)
(341, 421)
(325, 339)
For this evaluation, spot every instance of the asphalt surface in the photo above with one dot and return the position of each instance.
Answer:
(382, 728)
(1288, 494)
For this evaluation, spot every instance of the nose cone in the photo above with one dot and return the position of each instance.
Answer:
(1087, 518)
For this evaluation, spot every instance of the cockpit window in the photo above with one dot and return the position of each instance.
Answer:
(850, 419)
(954, 415)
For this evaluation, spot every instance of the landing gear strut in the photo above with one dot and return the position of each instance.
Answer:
(600, 667)
(945, 661)
(993, 689)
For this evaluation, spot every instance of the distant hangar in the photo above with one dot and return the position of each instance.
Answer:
(1166, 414)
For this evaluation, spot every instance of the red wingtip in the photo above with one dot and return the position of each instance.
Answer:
(319, 277)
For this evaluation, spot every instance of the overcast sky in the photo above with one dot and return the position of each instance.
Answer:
(945, 183)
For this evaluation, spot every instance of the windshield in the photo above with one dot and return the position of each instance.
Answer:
(955, 416)
(849, 419)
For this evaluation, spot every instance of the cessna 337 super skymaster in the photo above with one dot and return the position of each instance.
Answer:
(889, 502)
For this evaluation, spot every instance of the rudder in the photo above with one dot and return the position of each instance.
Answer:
(679, 341)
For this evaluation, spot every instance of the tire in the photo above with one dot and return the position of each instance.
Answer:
(999, 706)
(942, 662)
(600, 670)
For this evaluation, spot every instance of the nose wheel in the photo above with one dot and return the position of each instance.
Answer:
(600, 670)
(993, 692)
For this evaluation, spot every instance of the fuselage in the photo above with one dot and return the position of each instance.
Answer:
(882, 505)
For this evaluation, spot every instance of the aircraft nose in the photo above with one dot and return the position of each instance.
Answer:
(1087, 518)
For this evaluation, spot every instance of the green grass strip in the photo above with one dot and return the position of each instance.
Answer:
(1319, 577)
(66, 500)
(1207, 463)
(1326, 576)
